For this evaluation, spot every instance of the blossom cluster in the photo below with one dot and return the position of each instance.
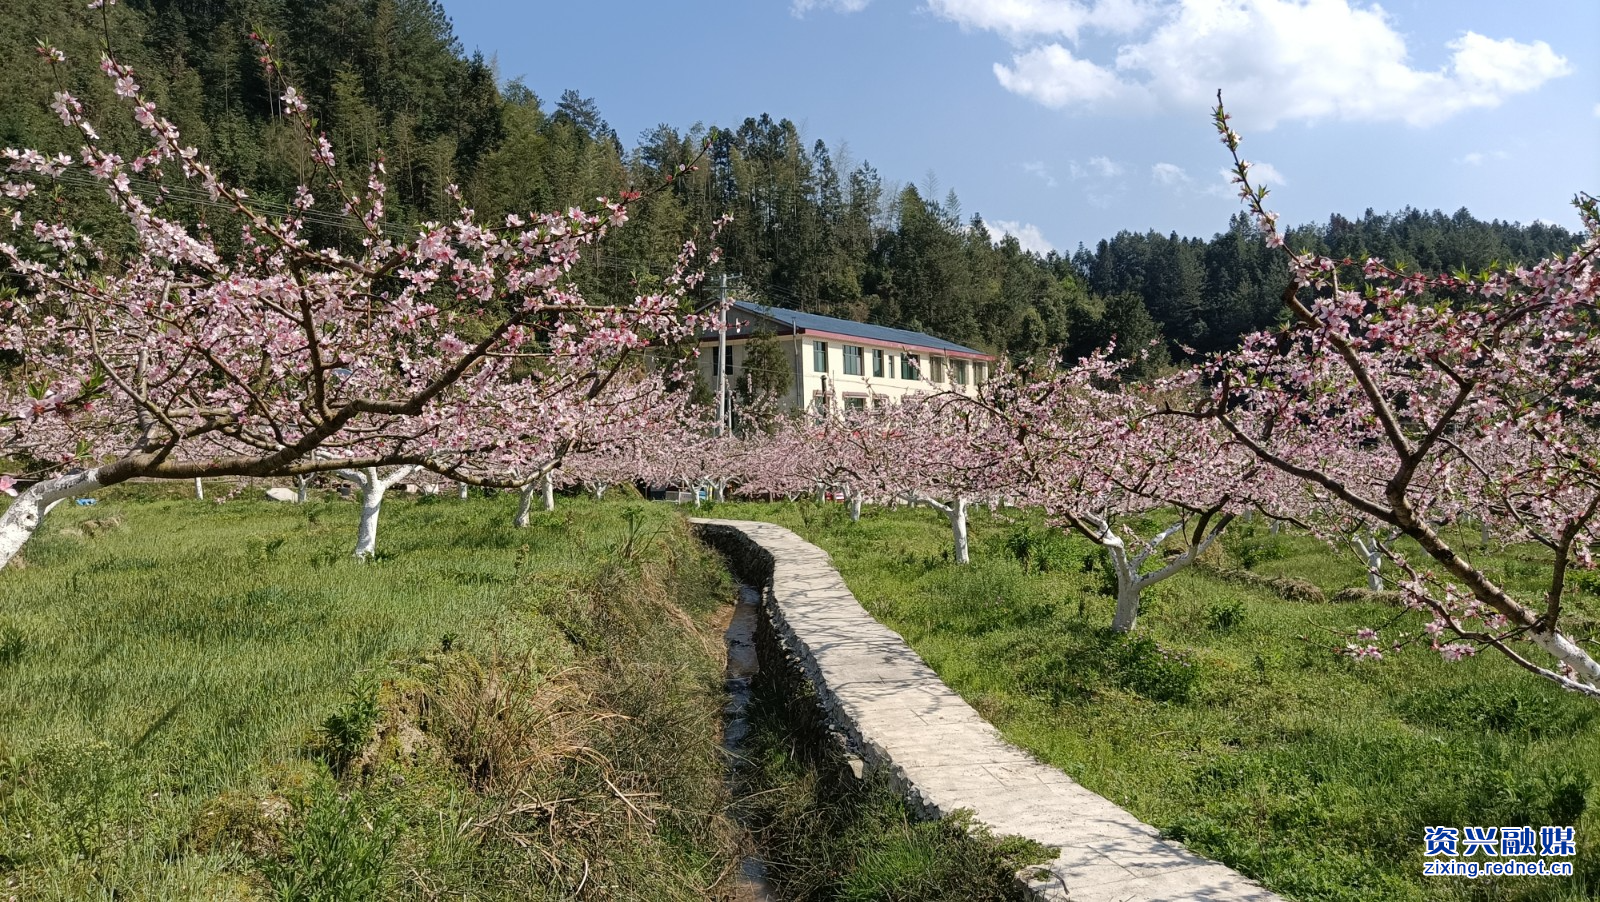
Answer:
(460, 344)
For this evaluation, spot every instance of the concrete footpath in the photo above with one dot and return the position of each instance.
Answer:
(901, 718)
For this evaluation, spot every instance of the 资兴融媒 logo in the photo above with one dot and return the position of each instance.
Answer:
(1498, 851)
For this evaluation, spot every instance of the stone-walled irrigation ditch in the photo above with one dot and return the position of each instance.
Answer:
(893, 712)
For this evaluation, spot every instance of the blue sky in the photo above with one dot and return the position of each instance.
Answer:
(1067, 120)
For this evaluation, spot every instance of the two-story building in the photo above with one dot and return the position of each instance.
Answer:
(857, 364)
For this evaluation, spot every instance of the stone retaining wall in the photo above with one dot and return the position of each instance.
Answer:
(900, 718)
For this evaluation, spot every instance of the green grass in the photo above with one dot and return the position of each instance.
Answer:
(202, 701)
(1228, 722)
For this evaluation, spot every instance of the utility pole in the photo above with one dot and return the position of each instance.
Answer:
(722, 363)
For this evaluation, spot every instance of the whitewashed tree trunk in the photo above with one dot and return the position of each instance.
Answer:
(1371, 551)
(371, 505)
(27, 510)
(524, 505)
(822, 493)
(855, 507)
(1131, 583)
(373, 485)
(1276, 526)
(958, 529)
(302, 485)
(599, 490)
(1578, 661)
(549, 483)
(199, 488)
(721, 492)
(956, 513)
(462, 493)
(1130, 591)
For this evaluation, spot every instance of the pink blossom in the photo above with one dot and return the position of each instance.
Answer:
(1427, 402)
(321, 334)
(1363, 652)
(66, 106)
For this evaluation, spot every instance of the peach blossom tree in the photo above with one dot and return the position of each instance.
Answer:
(166, 351)
(1416, 403)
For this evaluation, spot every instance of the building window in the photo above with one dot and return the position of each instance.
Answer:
(819, 356)
(852, 360)
(936, 368)
(958, 372)
(879, 402)
(877, 363)
(727, 361)
(855, 402)
(910, 367)
(980, 374)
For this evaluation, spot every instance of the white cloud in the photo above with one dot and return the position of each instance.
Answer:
(1095, 168)
(1098, 178)
(1261, 174)
(1018, 20)
(1026, 233)
(1039, 169)
(1274, 60)
(801, 7)
(1105, 167)
(1478, 158)
(1169, 174)
(1264, 174)
(1101, 180)
(1504, 67)
(1054, 77)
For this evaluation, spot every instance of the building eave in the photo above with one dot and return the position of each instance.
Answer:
(743, 327)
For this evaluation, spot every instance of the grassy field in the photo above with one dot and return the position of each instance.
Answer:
(202, 701)
(215, 702)
(1227, 721)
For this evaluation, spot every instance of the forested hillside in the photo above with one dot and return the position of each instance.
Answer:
(812, 229)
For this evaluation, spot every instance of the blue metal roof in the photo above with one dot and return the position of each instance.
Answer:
(815, 322)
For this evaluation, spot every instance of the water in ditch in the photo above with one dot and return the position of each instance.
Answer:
(743, 665)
